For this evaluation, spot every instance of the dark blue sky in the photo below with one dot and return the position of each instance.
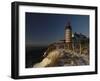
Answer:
(44, 29)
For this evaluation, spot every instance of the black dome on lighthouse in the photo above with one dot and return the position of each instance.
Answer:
(68, 26)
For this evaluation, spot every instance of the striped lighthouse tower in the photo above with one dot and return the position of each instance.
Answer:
(68, 36)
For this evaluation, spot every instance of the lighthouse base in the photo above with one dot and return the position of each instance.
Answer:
(68, 46)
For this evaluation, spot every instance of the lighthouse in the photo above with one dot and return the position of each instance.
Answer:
(68, 36)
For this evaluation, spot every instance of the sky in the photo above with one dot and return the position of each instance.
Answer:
(44, 28)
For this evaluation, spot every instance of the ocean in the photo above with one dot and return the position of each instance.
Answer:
(34, 54)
